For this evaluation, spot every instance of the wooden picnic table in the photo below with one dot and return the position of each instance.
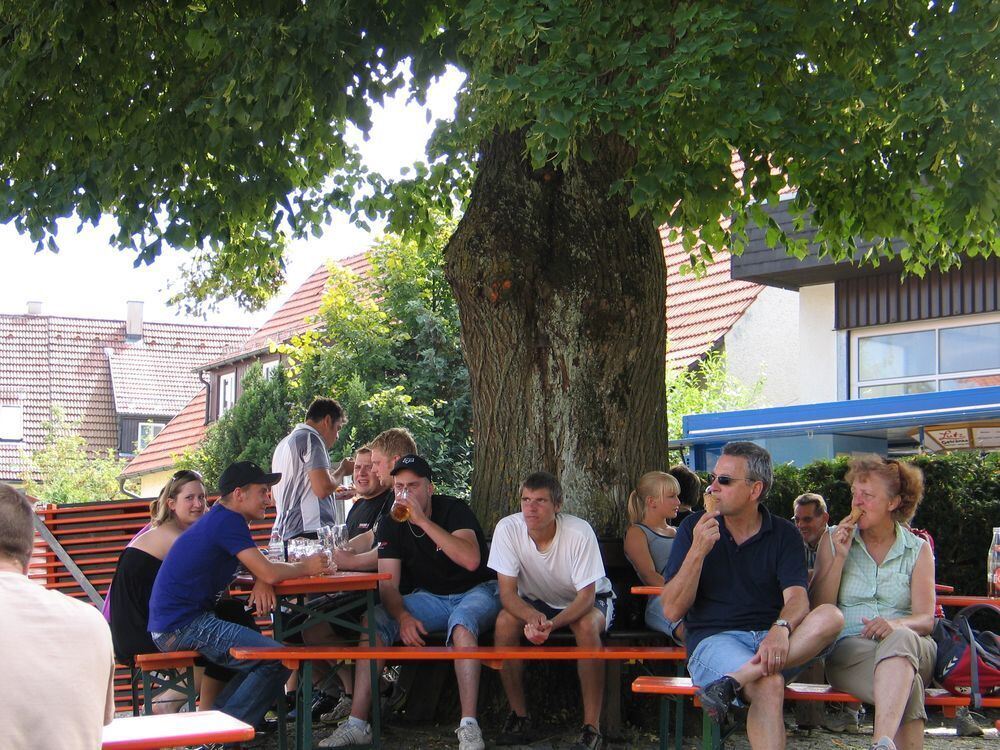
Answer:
(957, 600)
(943, 591)
(174, 730)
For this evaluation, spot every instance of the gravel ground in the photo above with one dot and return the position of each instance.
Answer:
(437, 737)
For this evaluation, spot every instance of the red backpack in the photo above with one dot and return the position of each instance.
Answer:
(968, 661)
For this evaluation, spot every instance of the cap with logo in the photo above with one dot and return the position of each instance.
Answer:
(415, 464)
(243, 473)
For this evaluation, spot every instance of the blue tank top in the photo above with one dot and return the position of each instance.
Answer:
(659, 547)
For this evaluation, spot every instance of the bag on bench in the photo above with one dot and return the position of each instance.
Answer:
(968, 661)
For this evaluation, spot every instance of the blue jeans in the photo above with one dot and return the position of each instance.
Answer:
(475, 610)
(257, 684)
(656, 621)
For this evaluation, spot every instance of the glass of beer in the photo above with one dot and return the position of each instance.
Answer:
(400, 512)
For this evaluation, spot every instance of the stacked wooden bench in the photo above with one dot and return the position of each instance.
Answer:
(677, 689)
(160, 672)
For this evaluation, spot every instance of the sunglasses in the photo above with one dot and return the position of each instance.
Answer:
(725, 480)
(185, 473)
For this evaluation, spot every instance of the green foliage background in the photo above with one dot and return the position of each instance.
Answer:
(64, 471)
(960, 508)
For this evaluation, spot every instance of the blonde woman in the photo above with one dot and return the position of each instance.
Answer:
(881, 576)
(651, 506)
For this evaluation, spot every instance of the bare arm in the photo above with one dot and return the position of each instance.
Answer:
(680, 591)
(824, 588)
(773, 651)
(514, 604)
(637, 552)
(323, 483)
(274, 572)
(581, 605)
(410, 628)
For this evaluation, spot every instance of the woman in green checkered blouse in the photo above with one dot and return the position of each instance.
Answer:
(882, 578)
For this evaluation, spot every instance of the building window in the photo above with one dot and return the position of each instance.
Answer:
(227, 392)
(11, 422)
(268, 368)
(147, 431)
(922, 358)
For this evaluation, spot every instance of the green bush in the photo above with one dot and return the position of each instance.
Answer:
(961, 506)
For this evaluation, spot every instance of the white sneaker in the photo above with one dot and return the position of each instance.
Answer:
(348, 734)
(340, 712)
(885, 743)
(470, 737)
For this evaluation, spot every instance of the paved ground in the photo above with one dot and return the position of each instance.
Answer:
(400, 737)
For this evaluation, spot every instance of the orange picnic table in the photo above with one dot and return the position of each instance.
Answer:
(174, 730)
(957, 600)
(299, 606)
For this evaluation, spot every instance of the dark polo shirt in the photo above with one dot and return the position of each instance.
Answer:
(741, 586)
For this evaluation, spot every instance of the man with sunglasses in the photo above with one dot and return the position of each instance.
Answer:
(737, 576)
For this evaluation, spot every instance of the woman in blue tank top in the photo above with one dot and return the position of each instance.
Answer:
(651, 506)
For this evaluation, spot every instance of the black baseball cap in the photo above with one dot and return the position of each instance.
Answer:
(243, 473)
(415, 464)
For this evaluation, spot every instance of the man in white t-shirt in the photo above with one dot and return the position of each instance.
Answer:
(551, 576)
(57, 689)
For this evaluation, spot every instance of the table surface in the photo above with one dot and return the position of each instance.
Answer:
(957, 600)
(174, 730)
(344, 580)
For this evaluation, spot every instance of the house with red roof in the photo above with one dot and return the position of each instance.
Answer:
(223, 377)
(121, 380)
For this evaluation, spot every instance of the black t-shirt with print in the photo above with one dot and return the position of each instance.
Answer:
(365, 513)
(424, 565)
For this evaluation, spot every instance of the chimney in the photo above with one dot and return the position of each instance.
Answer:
(34, 308)
(133, 321)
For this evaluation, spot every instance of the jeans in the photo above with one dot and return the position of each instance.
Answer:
(475, 610)
(257, 684)
(656, 621)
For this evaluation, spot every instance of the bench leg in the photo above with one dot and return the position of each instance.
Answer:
(147, 693)
(376, 710)
(134, 677)
(192, 693)
(711, 736)
(303, 708)
(664, 723)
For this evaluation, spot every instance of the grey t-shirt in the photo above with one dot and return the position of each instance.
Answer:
(298, 509)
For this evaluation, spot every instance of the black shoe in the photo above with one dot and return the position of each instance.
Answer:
(321, 704)
(590, 739)
(718, 698)
(517, 730)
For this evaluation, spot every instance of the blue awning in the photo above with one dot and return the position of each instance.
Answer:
(857, 417)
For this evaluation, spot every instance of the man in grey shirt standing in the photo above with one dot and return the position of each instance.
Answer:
(305, 496)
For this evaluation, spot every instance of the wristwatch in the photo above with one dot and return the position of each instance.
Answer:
(783, 623)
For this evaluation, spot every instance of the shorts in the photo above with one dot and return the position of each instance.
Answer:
(851, 666)
(475, 610)
(603, 603)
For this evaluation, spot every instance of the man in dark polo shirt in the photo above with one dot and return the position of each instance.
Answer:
(443, 550)
(737, 576)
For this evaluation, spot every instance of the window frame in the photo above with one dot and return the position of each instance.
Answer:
(225, 406)
(857, 334)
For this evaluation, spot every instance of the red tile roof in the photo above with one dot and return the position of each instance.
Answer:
(295, 316)
(700, 311)
(185, 430)
(48, 361)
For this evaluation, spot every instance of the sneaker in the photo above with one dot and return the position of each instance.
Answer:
(517, 730)
(590, 739)
(347, 735)
(321, 704)
(719, 698)
(965, 724)
(470, 737)
(883, 744)
(842, 718)
(340, 712)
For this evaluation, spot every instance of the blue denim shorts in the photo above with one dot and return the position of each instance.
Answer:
(724, 653)
(475, 610)
(655, 620)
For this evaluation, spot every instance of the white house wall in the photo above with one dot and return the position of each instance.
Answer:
(817, 345)
(765, 342)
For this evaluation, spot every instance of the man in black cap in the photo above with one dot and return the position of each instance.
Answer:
(200, 566)
(442, 547)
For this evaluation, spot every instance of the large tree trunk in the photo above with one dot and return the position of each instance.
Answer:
(562, 300)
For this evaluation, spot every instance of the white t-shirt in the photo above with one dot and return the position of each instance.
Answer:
(298, 509)
(57, 689)
(571, 562)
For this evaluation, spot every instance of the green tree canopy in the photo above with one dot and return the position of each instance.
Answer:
(216, 126)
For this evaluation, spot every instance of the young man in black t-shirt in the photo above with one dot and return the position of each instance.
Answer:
(372, 502)
(443, 549)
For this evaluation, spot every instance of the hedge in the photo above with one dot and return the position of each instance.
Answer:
(961, 506)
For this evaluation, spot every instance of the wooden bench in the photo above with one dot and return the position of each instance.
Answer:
(294, 657)
(160, 672)
(174, 730)
(676, 689)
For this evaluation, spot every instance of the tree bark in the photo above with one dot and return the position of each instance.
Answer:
(562, 302)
